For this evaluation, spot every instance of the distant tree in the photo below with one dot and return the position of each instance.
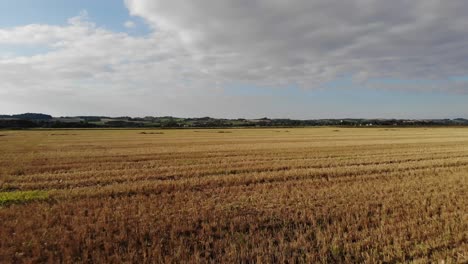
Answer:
(32, 116)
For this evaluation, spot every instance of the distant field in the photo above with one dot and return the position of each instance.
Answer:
(234, 195)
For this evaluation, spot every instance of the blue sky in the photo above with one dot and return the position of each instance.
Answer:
(354, 101)
(111, 14)
(183, 59)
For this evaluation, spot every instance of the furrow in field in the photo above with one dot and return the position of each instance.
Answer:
(101, 176)
(60, 166)
(250, 175)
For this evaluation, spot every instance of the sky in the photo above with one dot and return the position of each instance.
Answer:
(302, 59)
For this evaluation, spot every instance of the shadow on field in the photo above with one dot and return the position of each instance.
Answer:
(151, 133)
(207, 131)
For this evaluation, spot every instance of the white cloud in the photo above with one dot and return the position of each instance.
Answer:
(89, 61)
(129, 24)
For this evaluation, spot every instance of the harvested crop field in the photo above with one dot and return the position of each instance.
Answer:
(299, 195)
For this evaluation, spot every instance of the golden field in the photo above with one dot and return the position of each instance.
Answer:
(296, 195)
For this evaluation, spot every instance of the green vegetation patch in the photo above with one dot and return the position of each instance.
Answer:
(18, 197)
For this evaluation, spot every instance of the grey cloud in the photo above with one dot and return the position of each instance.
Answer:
(275, 40)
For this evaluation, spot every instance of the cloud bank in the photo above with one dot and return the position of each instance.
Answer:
(198, 48)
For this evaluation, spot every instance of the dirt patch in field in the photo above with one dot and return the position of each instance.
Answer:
(63, 134)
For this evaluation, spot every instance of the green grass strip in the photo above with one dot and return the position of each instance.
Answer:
(19, 197)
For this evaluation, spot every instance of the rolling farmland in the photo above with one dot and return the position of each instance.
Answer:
(235, 195)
